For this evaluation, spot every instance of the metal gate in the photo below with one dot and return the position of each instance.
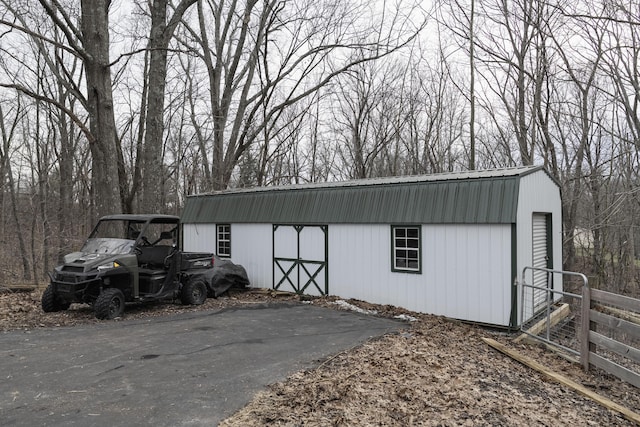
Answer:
(300, 259)
(599, 327)
(556, 319)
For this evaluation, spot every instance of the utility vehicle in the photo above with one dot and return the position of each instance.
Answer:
(137, 258)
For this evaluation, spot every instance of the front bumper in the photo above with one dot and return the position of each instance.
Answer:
(76, 287)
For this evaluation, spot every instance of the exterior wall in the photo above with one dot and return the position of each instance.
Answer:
(538, 194)
(251, 247)
(199, 237)
(465, 270)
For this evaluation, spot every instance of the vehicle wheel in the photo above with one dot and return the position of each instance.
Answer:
(109, 304)
(51, 303)
(194, 292)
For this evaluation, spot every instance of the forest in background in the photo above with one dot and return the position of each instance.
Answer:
(130, 105)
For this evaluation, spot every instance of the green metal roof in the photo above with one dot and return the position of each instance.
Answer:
(460, 198)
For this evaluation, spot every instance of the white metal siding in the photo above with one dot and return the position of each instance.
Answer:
(199, 237)
(251, 247)
(538, 194)
(465, 272)
(312, 244)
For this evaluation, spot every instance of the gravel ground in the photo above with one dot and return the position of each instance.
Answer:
(438, 372)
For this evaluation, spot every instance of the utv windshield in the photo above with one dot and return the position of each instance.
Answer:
(119, 236)
(108, 246)
(117, 229)
(113, 237)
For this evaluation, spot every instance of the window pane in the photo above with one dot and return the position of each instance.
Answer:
(412, 243)
(412, 232)
(401, 232)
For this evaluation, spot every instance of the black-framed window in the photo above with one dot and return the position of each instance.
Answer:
(406, 247)
(223, 237)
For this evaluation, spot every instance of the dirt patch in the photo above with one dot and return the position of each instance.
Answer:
(437, 372)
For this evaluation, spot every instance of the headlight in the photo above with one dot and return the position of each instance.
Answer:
(108, 266)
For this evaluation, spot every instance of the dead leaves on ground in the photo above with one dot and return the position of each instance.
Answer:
(438, 372)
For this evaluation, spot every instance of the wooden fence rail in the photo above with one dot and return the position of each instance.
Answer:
(623, 317)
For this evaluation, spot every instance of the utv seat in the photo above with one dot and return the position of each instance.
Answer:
(152, 271)
(152, 258)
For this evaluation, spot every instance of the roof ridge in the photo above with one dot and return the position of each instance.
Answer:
(389, 180)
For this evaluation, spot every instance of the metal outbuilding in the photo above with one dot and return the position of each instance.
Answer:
(449, 244)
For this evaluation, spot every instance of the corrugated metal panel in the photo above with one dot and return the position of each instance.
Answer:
(473, 197)
(466, 270)
(251, 247)
(538, 195)
(199, 237)
(540, 257)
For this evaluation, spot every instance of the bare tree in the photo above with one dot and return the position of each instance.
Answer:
(94, 52)
(459, 17)
(621, 63)
(506, 49)
(435, 114)
(262, 58)
(47, 70)
(278, 159)
(87, 36)
(582, 72)
(8, 132)
(162, 30)
(362, 119)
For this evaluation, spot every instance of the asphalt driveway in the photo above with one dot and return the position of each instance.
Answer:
(191, 369)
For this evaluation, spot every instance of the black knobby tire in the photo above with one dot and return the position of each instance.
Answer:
(109, 304)
(194, 292)
(51, 303)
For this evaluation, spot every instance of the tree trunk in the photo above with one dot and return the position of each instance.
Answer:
(65, 162)
(26, 269)
(160, 36)
(104, 176)
(152, 181)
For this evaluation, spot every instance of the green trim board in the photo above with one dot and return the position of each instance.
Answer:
(474, 197)
(549, 225)
(513, 321)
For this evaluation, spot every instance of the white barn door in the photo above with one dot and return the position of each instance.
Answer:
(300, 259)
(541, 259)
